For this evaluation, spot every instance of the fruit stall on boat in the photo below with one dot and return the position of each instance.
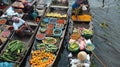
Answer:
(80, 38)
(49, 38)
(15, 50)
(5, 19)
(5, 33)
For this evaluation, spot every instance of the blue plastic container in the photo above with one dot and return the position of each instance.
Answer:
(46, 20)
(53, 20)
(57, 32)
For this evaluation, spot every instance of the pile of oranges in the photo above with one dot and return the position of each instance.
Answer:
(41, 58)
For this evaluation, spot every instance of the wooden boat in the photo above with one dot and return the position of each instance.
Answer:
(8, 13)
(60, 3)
(6, 16)
(16, 8)
(5, 34)
(45, 53)
(4, 7)
(78, 37)
(27, 40)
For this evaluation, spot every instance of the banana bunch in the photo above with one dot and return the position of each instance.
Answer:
(56, 15)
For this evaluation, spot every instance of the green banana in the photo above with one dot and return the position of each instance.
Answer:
(18, 51)
(12, 42)
(4, 57)
(18, 45)
(10, 57)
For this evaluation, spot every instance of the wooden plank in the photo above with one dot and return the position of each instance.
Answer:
(32, 24)
(65, 7)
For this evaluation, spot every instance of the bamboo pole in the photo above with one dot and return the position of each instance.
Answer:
(98, 59)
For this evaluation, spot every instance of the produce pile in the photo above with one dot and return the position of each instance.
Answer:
(80, 47)
(50, 29)
(14, 51)
(4, 34)
(73, 47)
(47, 37)
(90, 46)
(47, 47)
(2, 21)
(81, 18)
(49, 40)
(86, 33)
(40, 36)
(57, 32)
(41, 58)
(52, 26)
(57, 15)
(78, 39)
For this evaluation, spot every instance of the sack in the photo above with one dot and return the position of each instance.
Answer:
(84, 7)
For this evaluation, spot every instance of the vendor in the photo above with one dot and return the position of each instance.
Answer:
(79, 4)
(29, 11)
(28, 8)
(20, 25)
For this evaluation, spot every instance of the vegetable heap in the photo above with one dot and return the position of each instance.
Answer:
(49, 40)
(41, 58)
(5, 33)
(87, 31)
(58, 15)
(73, 47)
(49, 48)
(14, 50)
(2, 21)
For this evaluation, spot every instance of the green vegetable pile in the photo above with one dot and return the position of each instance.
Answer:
(40, 46)
(90, 47)
(14, 50)
(51, 48)
(48, 47)
(87, 34)
(87, 31)
(73, 47)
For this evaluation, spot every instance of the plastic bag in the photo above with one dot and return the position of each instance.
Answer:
(84, 7)
(88, 41)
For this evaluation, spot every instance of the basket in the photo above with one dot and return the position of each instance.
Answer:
(90, 47)
(3, 21)
(61, 26)
(46, 20)
(38, 38)
(57, 32)
(76, 50)
(87, 36)
(43, 29)
(53, 20)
